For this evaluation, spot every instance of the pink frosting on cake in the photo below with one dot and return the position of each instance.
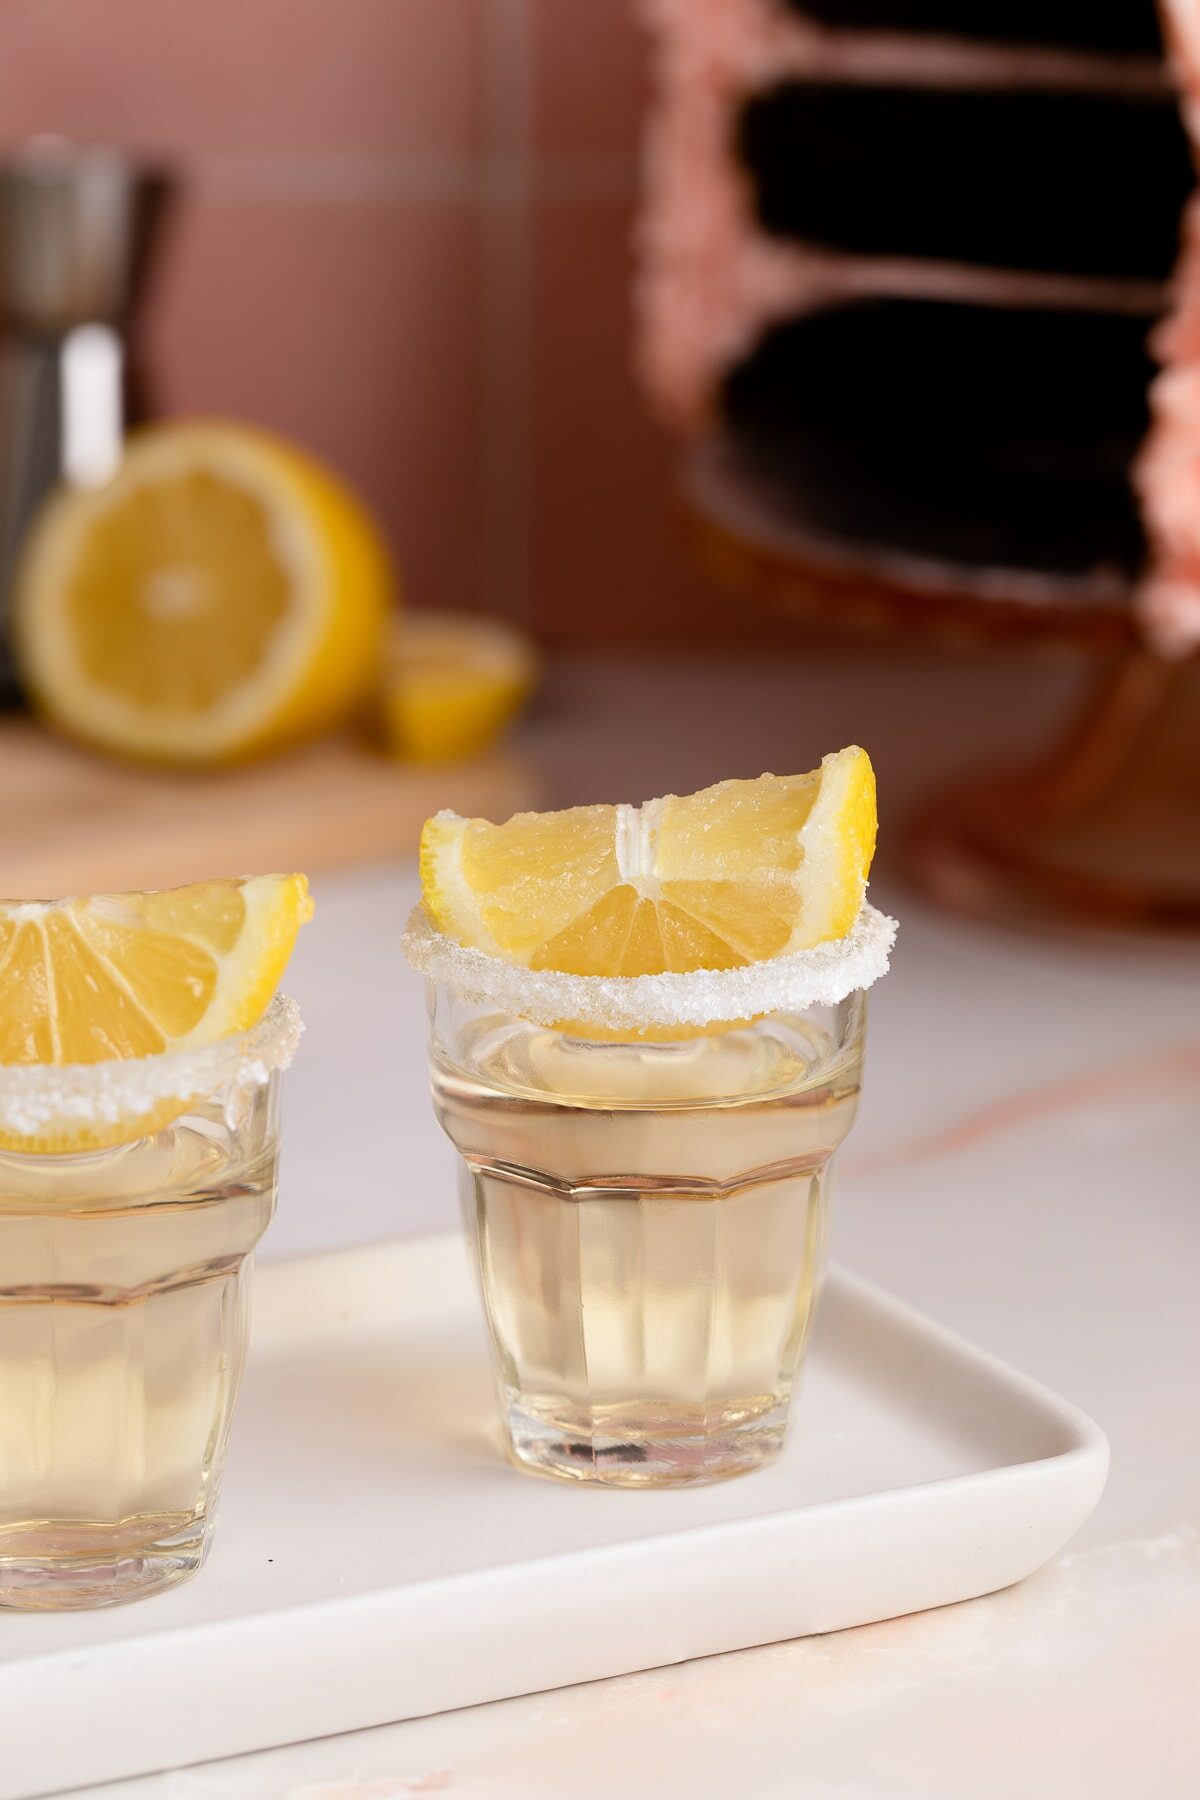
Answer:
(1168, 482)
(1167, 475)
(708, 283)
(1181, 27)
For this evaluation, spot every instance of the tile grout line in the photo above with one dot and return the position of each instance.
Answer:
(279, 177)
(506, 282)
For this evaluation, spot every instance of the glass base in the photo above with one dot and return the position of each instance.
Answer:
(642, 1448)
(48, 1567)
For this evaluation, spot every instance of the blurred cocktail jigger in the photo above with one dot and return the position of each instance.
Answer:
(76, 227)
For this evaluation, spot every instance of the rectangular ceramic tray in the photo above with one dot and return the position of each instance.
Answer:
(376, 1558)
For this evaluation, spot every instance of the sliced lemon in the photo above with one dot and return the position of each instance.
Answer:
(128, 975)
(223, 595)
(735, 874)
(117, 975)
(451, 685)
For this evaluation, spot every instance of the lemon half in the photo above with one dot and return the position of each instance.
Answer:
(223, 595)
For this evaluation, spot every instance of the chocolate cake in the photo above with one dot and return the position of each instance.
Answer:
(917, 264)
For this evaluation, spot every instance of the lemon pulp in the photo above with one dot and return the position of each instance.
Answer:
(223, 595)
(737, 873)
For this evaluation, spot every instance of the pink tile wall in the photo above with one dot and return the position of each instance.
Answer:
(388, 76)
(404, 240)
(354, 328)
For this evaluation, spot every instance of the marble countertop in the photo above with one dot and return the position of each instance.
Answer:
(1023, 1168)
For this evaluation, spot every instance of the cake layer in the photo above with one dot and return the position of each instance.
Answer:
(1069, 182)
(988, 436)
(1118, 25)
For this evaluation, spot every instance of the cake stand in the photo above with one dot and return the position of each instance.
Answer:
(1104, 829)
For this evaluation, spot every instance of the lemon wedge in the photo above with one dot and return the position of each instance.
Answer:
(223, 595)
(451, 685)
(119, 975)
(736, 874)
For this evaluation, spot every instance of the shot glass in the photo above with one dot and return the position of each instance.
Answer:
(125, 1279)
(648, 1215)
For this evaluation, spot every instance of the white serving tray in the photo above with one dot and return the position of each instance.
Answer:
(376, 1558)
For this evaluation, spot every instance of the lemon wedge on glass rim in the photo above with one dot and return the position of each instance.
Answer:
(734, 875)
(222, 595)
(124, 976)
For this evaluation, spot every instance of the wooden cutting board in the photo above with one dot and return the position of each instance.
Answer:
(72, 823)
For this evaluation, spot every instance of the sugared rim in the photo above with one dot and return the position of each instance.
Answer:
(818, 977)
(39, 1098)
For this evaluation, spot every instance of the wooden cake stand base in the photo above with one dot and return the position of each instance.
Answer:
(1104, 831)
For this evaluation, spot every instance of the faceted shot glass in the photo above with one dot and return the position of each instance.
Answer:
(125, 1278)
(648, 1221)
